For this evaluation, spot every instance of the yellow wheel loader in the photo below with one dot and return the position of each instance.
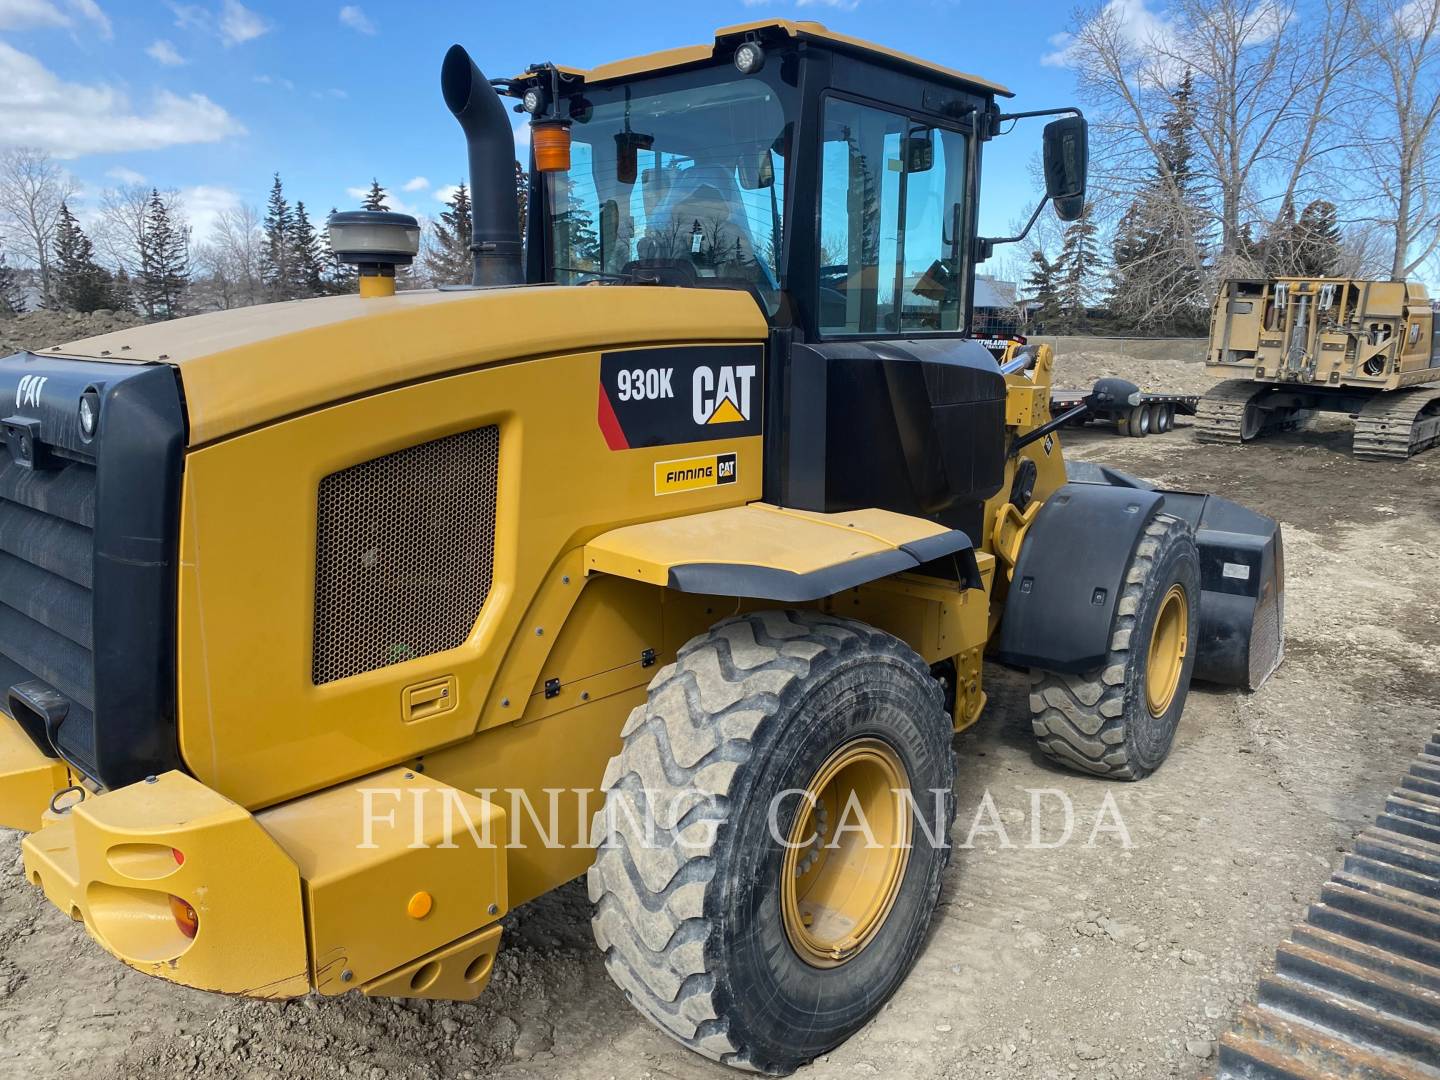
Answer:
(669, 551)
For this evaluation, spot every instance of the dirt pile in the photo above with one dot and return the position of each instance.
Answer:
(37, 330)
(1078, 368)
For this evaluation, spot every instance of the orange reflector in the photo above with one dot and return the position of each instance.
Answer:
(185, 917)
(420, 905)
(179, 856)
(550, 139)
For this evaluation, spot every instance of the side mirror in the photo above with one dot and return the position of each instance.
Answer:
(919, 150)
(1067, 156)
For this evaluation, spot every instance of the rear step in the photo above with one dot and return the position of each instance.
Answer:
(1356, 989)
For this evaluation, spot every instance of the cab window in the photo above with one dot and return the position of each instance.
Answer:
(892, 223)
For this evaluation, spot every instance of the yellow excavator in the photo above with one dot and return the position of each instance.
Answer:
(668, 552)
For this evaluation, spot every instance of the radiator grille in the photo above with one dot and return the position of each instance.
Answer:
(47, 544)
(404, 553)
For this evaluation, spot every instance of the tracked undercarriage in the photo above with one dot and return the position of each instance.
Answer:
(1393, 425)
(1356, 989)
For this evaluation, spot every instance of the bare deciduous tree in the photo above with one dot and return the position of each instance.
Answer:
(33, 187)
(1398, 142)
(231, 256)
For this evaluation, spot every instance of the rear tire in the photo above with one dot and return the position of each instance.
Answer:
(1136, 423)
(1164, 418)
(1119, 720)
(698, 924)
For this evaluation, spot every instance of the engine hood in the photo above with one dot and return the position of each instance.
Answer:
(249, 367)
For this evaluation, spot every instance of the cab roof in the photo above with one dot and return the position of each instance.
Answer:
(667, 59)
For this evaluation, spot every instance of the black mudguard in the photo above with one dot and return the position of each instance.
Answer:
(1078, 548)
(1070, 574)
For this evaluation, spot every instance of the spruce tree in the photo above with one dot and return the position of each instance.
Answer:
(339, 277)
(522, 196)
(277, 258)
(164, 261)
(12, 297)
(122, 292)
(1044, 296)
(307, 254)
(451, 262)
(79, 283)
(1279, 247)
(1158, 280)
(1318, 240)
(375, 198)
(1075, 271)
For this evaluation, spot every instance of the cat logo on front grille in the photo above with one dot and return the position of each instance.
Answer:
(29, 389)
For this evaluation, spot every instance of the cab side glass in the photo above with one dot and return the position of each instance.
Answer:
(892, 222)
(1067, 156)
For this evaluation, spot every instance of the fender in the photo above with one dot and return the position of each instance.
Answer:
(1070, 574)
(765, 552)
(1242, 583)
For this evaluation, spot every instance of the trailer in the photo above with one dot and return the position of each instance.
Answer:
(1154, 415)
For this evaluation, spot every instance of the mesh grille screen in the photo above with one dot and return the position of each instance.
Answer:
(404, 554)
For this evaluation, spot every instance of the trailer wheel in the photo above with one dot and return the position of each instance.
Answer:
(740, 906)
(1164, 418)
(1135, 423)
(1119, 719)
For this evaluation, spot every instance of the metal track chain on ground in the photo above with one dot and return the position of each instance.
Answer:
(1356, 989)
(1395, 426)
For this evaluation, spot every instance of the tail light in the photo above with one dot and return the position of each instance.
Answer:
(185, 917)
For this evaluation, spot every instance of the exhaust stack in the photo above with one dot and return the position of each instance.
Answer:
(495, 213)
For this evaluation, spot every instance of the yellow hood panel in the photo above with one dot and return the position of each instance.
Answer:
(248, 367)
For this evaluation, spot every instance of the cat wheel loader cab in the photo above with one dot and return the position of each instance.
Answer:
(332, 631)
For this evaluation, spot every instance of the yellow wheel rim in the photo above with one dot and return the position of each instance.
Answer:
(847, 853)
(1169, 642)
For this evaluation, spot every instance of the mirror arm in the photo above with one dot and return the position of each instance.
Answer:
(986, 245)
(1069, 110)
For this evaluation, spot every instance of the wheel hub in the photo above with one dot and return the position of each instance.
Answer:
(847, 853)
(1169, 642)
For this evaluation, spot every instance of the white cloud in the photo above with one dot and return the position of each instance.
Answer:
(203, 205)
(23, 14)
(842, 5)
(233, 23)
(274, 80)
(334, 92)
(357, 193)
(356, 19)
(164, 52)
(125, 176)
(238, 24)
(446, 193)
(416, 183)
(1417, 18)
(1136, 23)
(73, 119)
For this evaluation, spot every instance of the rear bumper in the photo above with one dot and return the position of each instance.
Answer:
(28, 778)
(321, 893)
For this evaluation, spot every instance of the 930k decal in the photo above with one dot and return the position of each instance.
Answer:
(680, 394)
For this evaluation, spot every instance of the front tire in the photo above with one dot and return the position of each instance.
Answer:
(1119, 720)
(736, 926)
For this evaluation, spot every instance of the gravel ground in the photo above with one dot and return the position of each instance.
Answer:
(1091, 959)
(46, 329)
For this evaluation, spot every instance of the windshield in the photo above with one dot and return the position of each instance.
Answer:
(689, 181)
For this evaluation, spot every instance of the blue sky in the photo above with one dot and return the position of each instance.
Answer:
(213, 96)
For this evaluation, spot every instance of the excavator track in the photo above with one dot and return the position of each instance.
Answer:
(1224, 414)
(1356, 989)
(1399, 424)
(1220, 412)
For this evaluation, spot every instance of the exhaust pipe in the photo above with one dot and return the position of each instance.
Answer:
(495, 212)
